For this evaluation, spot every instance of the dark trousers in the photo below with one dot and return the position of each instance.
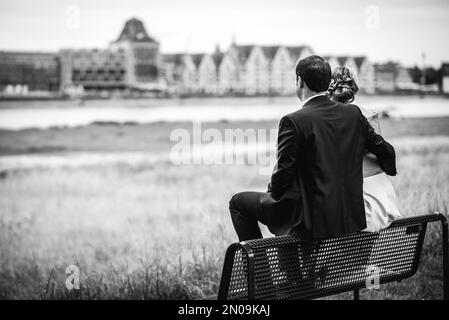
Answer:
(246, 211)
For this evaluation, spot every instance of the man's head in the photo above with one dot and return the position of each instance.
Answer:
(313, 75)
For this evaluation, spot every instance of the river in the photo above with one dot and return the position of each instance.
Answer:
(19, 115)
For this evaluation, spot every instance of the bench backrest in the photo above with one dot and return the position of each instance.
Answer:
(287, 268)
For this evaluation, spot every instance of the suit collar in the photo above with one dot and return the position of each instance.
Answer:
(314, 100)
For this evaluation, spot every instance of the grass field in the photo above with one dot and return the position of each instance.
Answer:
(159, 231)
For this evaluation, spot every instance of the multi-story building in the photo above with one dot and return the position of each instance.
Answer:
(24, 72)
(333, 62)
(229, 74)
(366, 75)
(445, 78)
(217, 57)
(93, 69)
(207, 75)
(179, 72)
(143, 60)
(252, 69)
(282, 73)
(172, 71)
(385, 79)
(132, 61)
(247, 74)
(283, 76)
(392, 77)
(233, 71)
(403, 79)
(256, 70)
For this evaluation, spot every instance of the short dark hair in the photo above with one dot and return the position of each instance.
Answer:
(315, 72)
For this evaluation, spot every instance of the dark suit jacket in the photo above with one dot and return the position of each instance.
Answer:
(317, 184)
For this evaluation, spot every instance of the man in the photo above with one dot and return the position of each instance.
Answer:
(316, 187)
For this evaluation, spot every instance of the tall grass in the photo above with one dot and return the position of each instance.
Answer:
(160, 231)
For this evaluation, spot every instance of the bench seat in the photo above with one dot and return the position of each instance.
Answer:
(286, 267)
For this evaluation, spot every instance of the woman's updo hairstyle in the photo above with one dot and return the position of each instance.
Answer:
(343, 86)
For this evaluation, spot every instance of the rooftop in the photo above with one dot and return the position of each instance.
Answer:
(135, 31)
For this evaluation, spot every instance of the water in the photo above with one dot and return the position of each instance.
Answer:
(45, 114)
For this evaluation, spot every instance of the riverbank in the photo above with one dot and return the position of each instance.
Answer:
(155, 138)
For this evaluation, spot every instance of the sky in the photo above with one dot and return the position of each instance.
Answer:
(398, 30)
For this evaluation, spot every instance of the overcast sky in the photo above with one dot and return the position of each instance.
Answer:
(397, 29)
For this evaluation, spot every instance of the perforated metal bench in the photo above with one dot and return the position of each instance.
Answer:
(287, 268)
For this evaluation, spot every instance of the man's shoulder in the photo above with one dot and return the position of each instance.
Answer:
(304, 115)
(301, 114)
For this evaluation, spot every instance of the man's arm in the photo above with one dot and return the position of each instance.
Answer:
(289, 143)
(384, 151)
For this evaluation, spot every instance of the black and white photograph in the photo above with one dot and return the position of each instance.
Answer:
(224, 151)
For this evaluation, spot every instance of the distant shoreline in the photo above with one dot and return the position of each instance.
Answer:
(6, 99)
(38, 114)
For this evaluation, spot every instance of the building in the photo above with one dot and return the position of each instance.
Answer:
(179, 73)
(385, 77)
(93, 69)
(217, 57)
(392, 77)
(366, 75)
(283, 76)
(252, 68)
(22, 73)
(333, 62)
(172, 71)
(445, 78)
(207, 75)
(130, 62)
(143, 60)
(229, 74)
(282, 72)
(133, 62)
(404, 81)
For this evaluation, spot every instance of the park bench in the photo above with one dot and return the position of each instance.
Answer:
(285, 267)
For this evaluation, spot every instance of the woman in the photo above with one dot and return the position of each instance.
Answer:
(378, 192)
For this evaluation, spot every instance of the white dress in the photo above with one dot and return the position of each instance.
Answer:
(378, 193)
(380, 202)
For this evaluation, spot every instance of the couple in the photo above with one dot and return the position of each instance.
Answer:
(330, 176)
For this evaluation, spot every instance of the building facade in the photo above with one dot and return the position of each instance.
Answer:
(445, 78)
(133, 62)
(404, 81)
(22, 72)
(143, 60)
(283, 74)
(385, 80)
(93, 69)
